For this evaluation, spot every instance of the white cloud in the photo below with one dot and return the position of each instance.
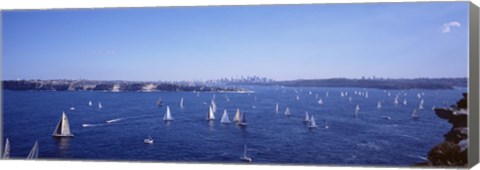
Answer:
(448, 26)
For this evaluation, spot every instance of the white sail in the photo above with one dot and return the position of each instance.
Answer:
(405, 102)
(366, 94)
(214, 106)
(34, 152)
(225, 118)
(100, 105)
(312, 123)
(168, 115)
(350, 99)
(396, 100)
(287, 111)
(236, 118)
(320, 101)
(6, 150)
(307, 119)
(90, 103)
(276, 108)
(421, 105)
(298, 97)
(379, 105)
(210, 114)
(341, 94)
(414, 114)
(357, 109)
(63, 127)
(181, 103)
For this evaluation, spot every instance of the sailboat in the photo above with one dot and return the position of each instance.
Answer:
(210, 114)
(181, 103)
(90, 103)
(6, 150)
(168, 115)
(421, 105)
(298, 97)
(357, 109)
(396, 100)
(63, 127)
(236, 118)
(379, 105)
(100, 105)
(312, 123)
(225, 118)
(414, 114)
(149, 140)
(326, 125)
(245, 157)
(159, 102)
(405, 102)
(320, 101)
(307, 119)
(214, 106)
(34, 152)
(287, 111)
(276, 108)
(243, 120)
(349, 99)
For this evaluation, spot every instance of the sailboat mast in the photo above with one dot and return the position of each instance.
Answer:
(34, 152)
(244, 150)
(6, 152)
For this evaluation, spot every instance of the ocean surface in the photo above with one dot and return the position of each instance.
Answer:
(368, 139)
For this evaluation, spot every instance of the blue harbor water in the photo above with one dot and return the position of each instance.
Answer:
(368, 139)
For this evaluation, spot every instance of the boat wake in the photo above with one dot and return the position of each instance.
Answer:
(418, 157)
(412, 137)
(92, 125)
(113, 120)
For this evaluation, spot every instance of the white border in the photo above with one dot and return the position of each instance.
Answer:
(63, 4)
(51, 4)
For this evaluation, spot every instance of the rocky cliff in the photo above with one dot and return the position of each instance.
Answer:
(454, 150)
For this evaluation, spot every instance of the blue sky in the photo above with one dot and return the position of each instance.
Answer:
(283, 42)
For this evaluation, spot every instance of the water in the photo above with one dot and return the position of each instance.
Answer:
(270, 137)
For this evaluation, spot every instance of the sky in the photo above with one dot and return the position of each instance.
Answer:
(282, 42)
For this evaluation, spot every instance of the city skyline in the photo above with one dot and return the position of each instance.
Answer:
(282, 42)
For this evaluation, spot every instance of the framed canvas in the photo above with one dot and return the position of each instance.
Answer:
(322, 84)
